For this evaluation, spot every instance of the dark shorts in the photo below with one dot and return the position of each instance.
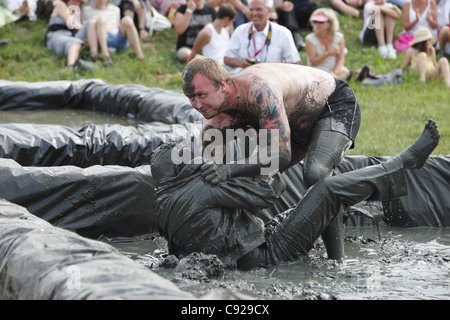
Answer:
(127, 5)
(124, 6)
(369, 38)
(343, 108)
(331, 137)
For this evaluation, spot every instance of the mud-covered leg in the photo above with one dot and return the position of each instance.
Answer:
(326, 151)
(296, 235)
(415, 156)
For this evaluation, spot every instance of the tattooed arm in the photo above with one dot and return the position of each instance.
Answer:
(266, 103)
(264, 111)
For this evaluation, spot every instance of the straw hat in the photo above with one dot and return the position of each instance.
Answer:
(421, 34)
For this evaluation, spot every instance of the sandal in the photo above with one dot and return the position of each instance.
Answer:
(363, 73)
(95, 58)
(108, 61)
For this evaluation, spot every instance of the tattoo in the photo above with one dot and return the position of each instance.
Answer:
(269, 107)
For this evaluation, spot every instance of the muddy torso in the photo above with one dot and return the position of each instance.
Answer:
(299, 92)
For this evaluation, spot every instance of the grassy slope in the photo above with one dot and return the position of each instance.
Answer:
(392, 116)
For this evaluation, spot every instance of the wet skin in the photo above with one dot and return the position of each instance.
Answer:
(286, 97)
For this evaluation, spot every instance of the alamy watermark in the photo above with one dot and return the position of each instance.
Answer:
(237, 147)
(373, 21)
(74, 278)
(74, 19)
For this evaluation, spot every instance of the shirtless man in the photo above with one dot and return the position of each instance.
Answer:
(316, 118)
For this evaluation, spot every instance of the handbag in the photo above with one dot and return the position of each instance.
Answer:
(403, 42)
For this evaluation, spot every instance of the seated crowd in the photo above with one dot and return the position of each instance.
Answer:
(239, 33)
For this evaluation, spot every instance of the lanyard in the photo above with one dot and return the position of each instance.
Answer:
(266, 43)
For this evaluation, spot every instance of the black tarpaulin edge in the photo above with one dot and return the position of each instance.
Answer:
(39, 261)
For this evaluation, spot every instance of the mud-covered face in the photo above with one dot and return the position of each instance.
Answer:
(204, 96)
(161, 163)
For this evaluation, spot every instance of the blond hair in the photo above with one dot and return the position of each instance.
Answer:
(332, 18)
(210, 68)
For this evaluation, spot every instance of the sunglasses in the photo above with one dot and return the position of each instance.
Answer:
(320, 22)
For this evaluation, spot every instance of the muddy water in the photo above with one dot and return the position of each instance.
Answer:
(397, 263)
(70, 118)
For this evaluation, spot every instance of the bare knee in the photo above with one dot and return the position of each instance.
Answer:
(443, 62)
(101, 20)
(422, 56)
(126, 23)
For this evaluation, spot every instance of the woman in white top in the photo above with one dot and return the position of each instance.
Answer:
(379, 25)
(420, 13)
(325, 46)
(212, 40)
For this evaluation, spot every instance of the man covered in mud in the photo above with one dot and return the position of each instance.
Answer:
(315, 116)
(195, 216)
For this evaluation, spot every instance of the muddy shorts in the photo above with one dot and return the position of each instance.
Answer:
(343, 108)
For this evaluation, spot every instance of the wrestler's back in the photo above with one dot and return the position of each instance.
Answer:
(303, 88)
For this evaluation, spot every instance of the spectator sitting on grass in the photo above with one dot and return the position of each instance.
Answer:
(443, 11)
(189, 20)
(25, 9)
(66, 35)
(212, 40)
(421, 57)
(134, 9)
(325, 46)
(420, 14)
(119, 33)
(379, 25)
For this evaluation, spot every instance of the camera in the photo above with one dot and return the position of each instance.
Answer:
(254, 60)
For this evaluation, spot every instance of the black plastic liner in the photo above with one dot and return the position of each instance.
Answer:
(170, 117)
(55, 145)
(133, 101)
(95, 201)
(41, 262)
(427, 203)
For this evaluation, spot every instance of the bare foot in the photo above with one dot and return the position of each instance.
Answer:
(415, 156)
(143, 34)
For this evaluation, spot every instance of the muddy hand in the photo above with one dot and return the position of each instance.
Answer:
(214, 173)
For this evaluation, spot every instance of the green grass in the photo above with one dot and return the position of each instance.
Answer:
(392, 116)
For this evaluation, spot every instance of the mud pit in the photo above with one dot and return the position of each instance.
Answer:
(405, 263)
(397, 263)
